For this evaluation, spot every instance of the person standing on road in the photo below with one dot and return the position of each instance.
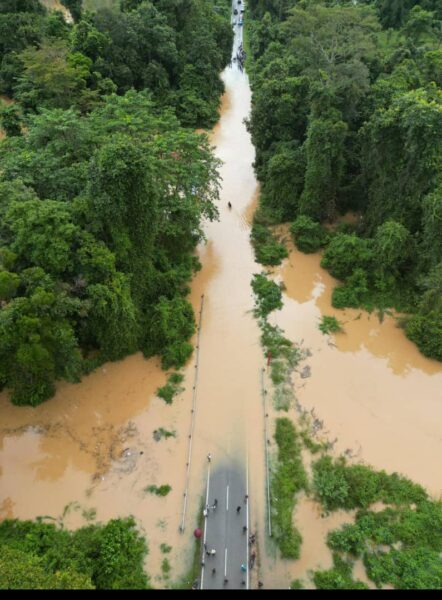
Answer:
(238, 510)
(209, 457)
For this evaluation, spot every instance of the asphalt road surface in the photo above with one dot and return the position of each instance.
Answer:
(223, 530)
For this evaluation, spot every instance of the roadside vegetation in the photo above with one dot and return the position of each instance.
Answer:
(268, 251)
(281, 353)
(288, 478)
(347, 116)
(37, 555)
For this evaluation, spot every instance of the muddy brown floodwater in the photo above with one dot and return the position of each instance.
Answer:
(92, 445)
(56, 5)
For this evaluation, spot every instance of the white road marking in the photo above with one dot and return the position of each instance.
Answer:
(205, 528)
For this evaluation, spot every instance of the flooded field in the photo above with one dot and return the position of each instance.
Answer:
(376, 394)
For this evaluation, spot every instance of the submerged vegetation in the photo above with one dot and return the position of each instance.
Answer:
(330, 325)
(400, 545)
(172, 388)
(347, 115)
(281, 354)
(161, 490)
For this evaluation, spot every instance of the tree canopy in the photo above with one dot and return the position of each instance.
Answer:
(347, 115)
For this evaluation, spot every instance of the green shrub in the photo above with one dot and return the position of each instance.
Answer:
(267, 250)
(267, 295)
(308, 235)
(41, 555)
(284, 355)
(172, 388)
(412, 568)
(338, 485)
(337, 578)
(165, 567)
(288, 479)
(330, 325)
(425, 330)
(353, 293)
(345, 253)
(162, 490)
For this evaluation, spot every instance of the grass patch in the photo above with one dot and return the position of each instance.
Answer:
(165, 549)
(330, 325)
(162, 490)
(287, 480)
(268, 251)
(172, 388)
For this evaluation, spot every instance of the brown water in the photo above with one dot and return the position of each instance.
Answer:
(56, 5)
(93, 442)
(370, 385)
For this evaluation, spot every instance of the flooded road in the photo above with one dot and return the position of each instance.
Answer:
(93, 447)
(93, 442)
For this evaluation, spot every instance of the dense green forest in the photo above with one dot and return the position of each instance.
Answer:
(38, 555)
(347, 116)
(103, 182)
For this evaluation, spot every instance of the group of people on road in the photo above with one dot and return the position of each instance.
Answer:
(240, 57)
(211, 553)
